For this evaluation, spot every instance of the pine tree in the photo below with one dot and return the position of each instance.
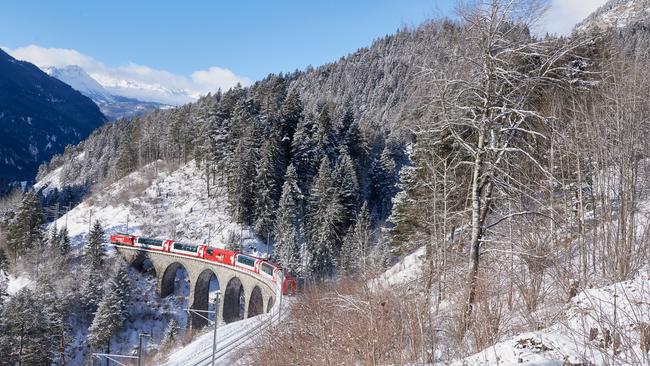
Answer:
(24, 330)
(122, 285)
(91, 289)
(25, 230)
(326, 136)
(303, 154)
(384, 181)
(64, 241)
(268, 180)
(355, 245)
(323, 223)
(241, 164)
(95, 247)
(291, 116)
(4, 262)
(347, 185)
(53, 239)
(127, 160)
(55, 312)
(108, 319)
(353, 141)
(287, 224)
(171, 334)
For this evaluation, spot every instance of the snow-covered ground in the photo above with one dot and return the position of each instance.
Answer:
(603, 326)
(407, 270)
(232, 340)
(155, 201)
(14, 284)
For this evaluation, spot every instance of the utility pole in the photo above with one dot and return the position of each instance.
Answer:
(141, 335)
(216, 322)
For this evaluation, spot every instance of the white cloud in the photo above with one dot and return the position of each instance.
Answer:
(563, 15)
(133, 80)
(216, 77)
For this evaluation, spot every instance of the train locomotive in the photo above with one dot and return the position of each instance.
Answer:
(240, 260)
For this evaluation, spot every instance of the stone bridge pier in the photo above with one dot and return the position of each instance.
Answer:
(243, 294)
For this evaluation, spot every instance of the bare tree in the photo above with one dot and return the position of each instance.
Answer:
(488, 106)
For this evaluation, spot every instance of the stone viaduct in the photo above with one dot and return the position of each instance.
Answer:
(244, 294)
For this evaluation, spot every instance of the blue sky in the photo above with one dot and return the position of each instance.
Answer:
(200, 46)
(251, 38)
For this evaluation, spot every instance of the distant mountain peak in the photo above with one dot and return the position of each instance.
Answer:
(114, 106)
(79, 79)
(617, 14)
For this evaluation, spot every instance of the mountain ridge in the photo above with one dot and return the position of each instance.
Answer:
(616, 14)
(39, 116)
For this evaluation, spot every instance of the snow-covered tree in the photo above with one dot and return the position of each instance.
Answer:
(55, 313)
(304, 154)
(64, 241)
(108, 319)
(90, 289)
(121, 282)
(323, 223)
(241, 163)
(291, 116)
(384, 185)
(268, 182)
(26, 229)
(326, 141)
(347, 186)
(95, 246)
(171, 334)
(23, 330)
(287, 224)
(4, 261)
(355, 245)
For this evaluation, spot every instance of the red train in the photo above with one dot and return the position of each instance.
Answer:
(252, 264)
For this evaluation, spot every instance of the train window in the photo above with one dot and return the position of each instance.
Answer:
(148, 241)
(186, 247)
(246, 260)
(267, 268)
(210, 251)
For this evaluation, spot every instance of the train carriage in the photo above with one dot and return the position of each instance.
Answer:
(122, 239)
(262, 267)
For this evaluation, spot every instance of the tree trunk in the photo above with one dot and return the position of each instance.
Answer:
(472, 275)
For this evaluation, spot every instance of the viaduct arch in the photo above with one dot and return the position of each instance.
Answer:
(243, 293)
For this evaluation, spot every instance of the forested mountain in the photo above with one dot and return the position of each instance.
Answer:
(509, 170)
(351, 114)
(617, 14)
(39, 116)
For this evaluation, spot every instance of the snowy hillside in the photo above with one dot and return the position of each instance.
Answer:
(617, 14)
(604, 326)
(161, 202)
(155, 201)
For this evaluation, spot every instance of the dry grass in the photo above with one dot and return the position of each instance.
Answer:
(345, 323)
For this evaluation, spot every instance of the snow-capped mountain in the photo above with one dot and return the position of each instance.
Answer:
(114, 106)
(617, 14)
(141, 90)
(79, 79)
